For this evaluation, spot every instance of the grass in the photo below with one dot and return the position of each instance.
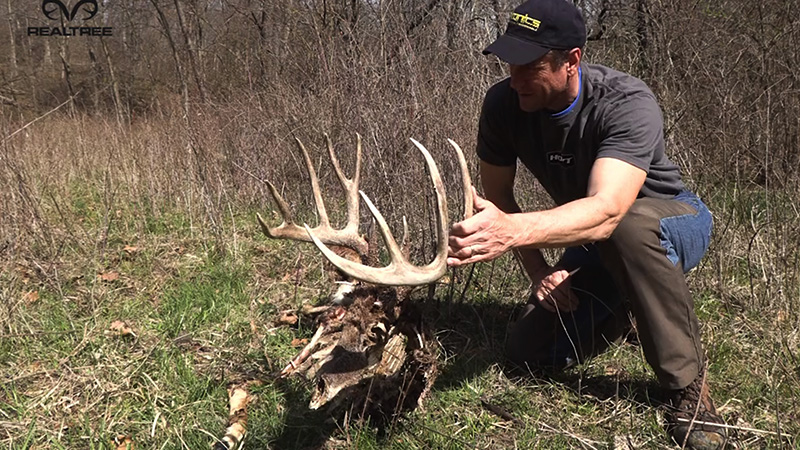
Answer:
(203, 300)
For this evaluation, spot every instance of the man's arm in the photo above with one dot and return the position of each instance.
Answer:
(498, 187)
(613, 187)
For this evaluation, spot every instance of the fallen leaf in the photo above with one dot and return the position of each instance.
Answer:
(121, 328)
(288, 318)
(129, 249)
(295, 274)
(108, 276)
(30, 297)
(299, 342)
(123, 443)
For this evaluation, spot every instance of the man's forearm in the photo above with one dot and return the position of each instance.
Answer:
(578, 222)
(613, 187)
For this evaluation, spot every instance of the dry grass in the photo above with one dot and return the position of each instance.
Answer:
(169, 208)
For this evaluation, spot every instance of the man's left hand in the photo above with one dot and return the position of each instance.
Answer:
(484, 236)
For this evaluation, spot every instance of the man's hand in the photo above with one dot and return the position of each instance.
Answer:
(554, 293)
(484, 236)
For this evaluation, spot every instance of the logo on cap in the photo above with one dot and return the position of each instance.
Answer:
(526, 21)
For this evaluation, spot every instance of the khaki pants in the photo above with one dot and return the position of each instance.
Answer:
(644, 263)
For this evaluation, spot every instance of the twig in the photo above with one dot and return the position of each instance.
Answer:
(483, 327)
(42, 116)
(452, 286)
(36, 333)
(309, 310)
(583, 441)
(463, 443)
(696, 409)
(466, 283)
(729, 427)
(502, 413)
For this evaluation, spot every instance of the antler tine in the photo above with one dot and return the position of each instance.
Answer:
(440, 262)
(347, 236)
(466, 181)
(312, 174)
(395, 253)
(400, 272)
(285, 213)
(350, 186)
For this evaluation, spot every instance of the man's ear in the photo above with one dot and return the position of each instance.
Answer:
(574, 60)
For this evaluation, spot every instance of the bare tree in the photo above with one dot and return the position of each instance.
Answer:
(12, 41)
(190, 50)
(162, 19)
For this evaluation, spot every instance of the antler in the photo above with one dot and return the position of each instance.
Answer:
(400, 272)
(347, 236)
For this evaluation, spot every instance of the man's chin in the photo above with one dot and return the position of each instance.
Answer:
(528, 105)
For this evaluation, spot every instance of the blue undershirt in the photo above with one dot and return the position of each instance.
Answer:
(574, 102)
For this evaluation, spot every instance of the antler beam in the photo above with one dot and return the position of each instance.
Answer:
(400, 272)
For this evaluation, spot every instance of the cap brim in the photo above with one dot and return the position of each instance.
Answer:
(515, 51)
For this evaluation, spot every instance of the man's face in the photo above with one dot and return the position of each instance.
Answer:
(540, 84)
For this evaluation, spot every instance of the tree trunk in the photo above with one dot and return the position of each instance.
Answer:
(67, 73)
(498, 23)
(12, 42)
(98, 75)
(191, 51)
(642, 40)
(47, 60)
(452, 25)
(178, 64)
(118, 107)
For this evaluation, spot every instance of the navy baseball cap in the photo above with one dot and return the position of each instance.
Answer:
(538, 26)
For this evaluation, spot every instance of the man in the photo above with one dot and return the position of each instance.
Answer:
(593, 138)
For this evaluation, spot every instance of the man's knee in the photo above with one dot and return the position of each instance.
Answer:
(641, 236)
(530, 339)
(639, 227)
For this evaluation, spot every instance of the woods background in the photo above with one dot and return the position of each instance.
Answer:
(191, 104)
(200, 100)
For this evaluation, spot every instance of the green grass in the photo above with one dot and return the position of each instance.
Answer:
(202, 300)
(203, 318)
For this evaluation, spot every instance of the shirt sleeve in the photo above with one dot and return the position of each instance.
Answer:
(632, 130)
(494, 140)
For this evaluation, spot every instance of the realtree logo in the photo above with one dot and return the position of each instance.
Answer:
(57, 10)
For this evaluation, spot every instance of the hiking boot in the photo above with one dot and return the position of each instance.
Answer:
(691, 416)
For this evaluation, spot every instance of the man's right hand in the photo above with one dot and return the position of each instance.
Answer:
(553, 291)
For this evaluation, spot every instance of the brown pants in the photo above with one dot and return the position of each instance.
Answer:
(643, 262)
